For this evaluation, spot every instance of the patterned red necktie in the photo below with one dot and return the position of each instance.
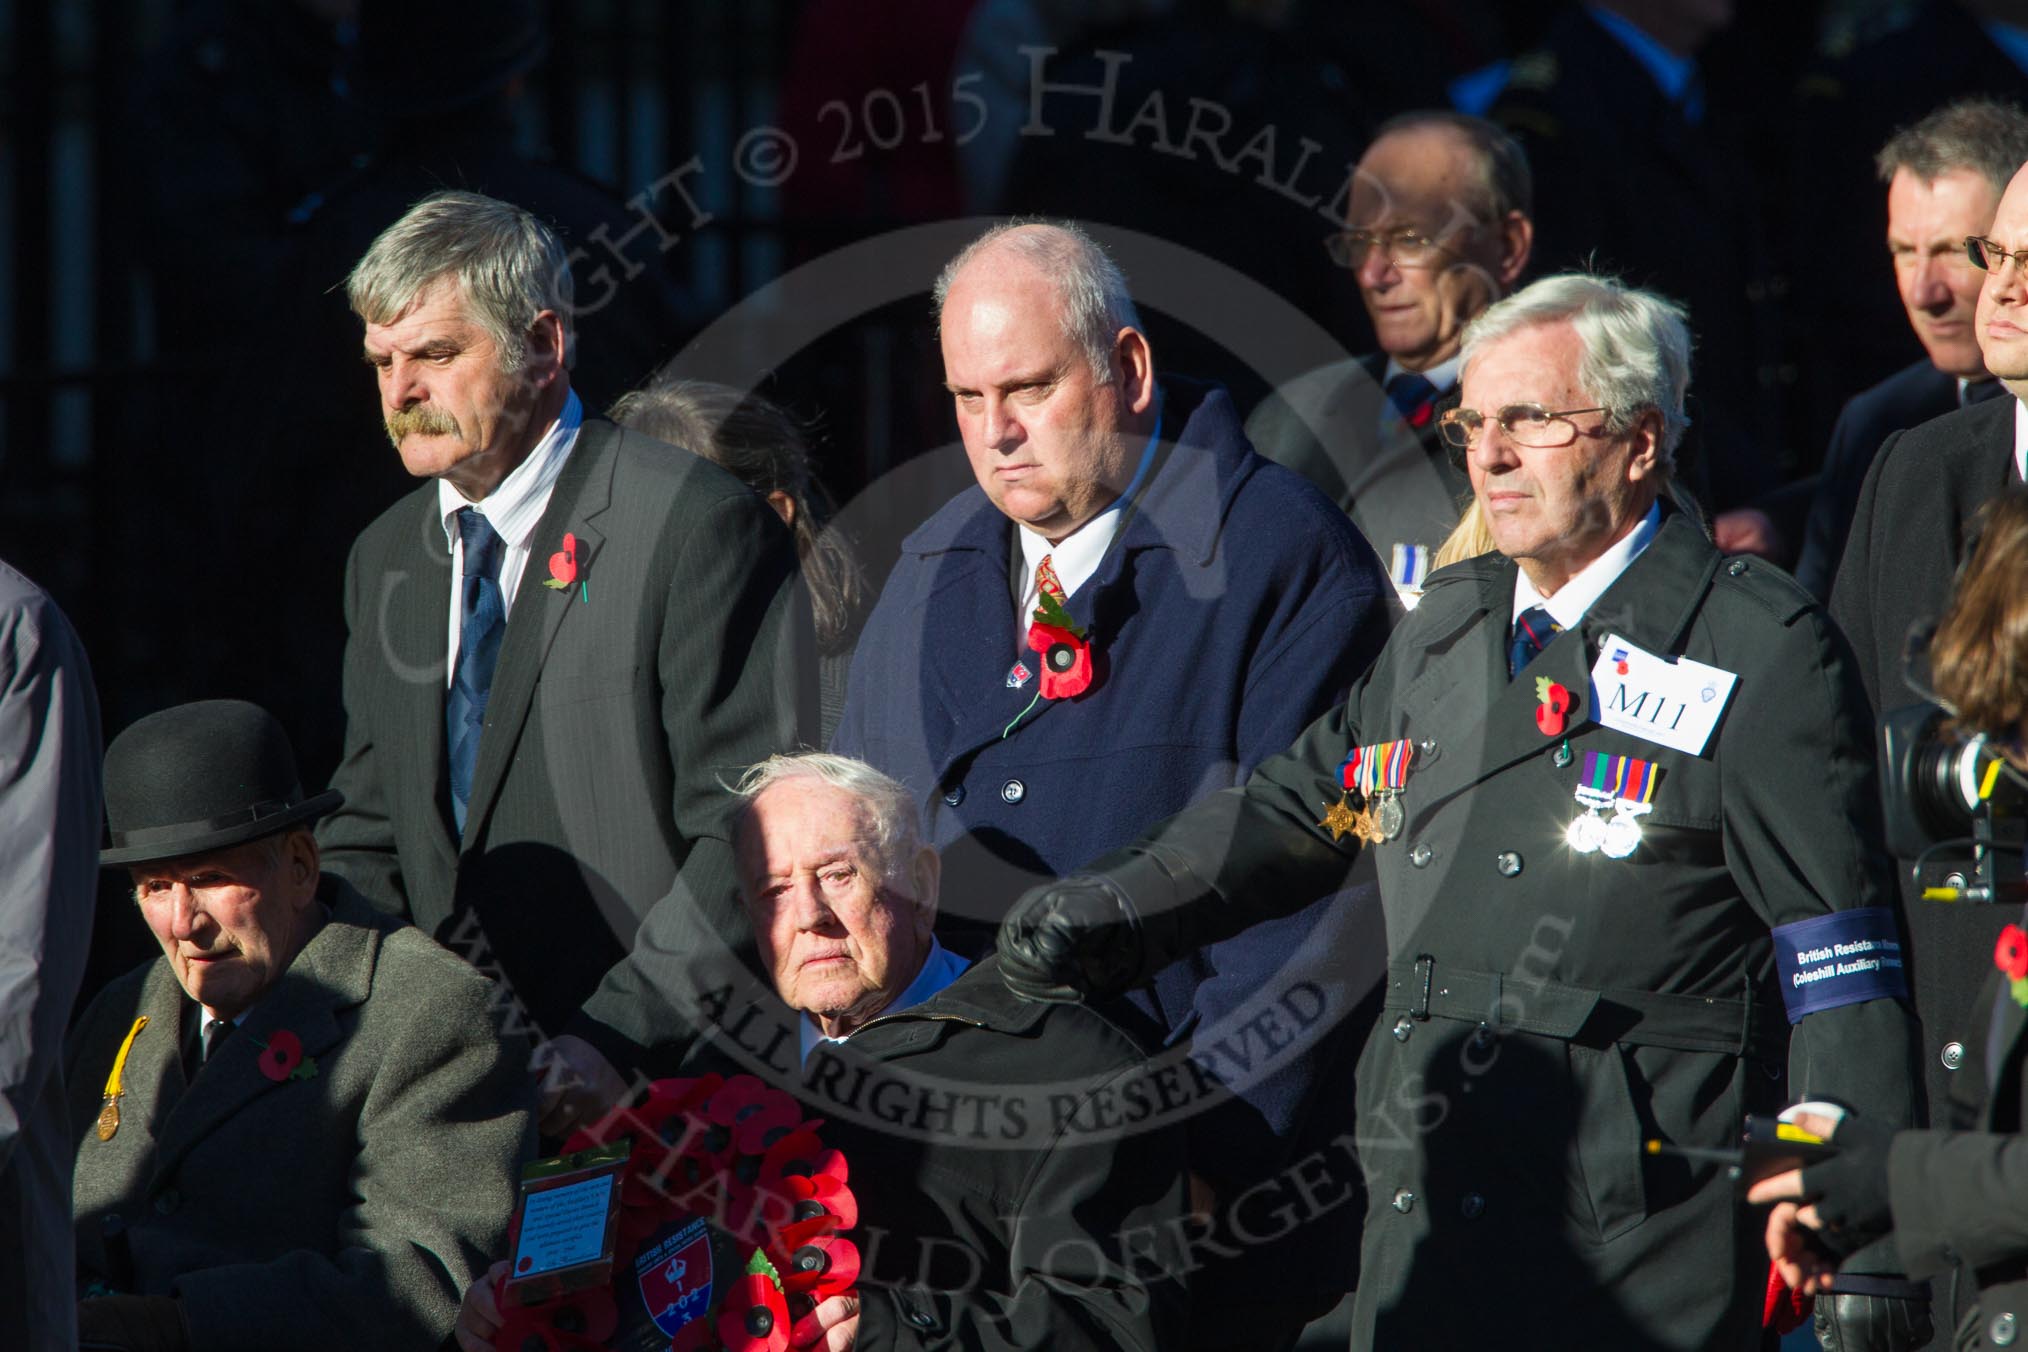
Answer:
(1046, 579)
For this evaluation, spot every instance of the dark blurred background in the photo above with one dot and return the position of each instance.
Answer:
(188, 442)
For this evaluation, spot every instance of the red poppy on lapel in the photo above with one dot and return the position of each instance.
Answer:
(1552, 706)
(2010, 955)
(1066, 661)
(563, 565)
(1066, 652)
(282, 1055)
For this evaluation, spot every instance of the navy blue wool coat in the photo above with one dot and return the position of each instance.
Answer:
(1236, 604)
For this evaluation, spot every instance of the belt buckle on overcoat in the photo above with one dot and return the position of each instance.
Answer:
(1424, 978)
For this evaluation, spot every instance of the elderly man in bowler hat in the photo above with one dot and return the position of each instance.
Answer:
(299, 1127)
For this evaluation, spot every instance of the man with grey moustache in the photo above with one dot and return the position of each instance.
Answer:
(554, 647)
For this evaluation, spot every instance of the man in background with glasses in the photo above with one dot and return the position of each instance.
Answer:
(1909, 534)
(1437, 229)
(1622, 777)
(1944, 177)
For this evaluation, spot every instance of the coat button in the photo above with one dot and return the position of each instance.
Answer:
(922, 1319)
(1953, 1055)
(1404, 1201)
(167, 1201)
(2001, 1332)
(1737, 568)
(1561, 756)
(1509, 864)
(955, 794)
(1013, 791)
(1403, 1026)
(1427, 748)
(1472, 1206)
(113, 1225)
(1421, 855)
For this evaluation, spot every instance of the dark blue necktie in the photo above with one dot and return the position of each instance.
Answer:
(1413, 397)
(1979, 391)
(1532, 631)
(482, 620)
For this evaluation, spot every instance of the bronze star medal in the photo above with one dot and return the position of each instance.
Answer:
(1339, 818)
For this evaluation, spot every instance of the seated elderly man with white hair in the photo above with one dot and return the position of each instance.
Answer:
(1018, 1166)
(989, 1145)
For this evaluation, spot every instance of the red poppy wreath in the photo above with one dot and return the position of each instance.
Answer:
(731, 1226)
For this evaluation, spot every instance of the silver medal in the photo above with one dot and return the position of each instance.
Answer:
(1587, 833)
(1622, 835)
(1388, 814)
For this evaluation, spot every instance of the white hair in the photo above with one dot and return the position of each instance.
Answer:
(1634, 345)
(508, 266)
(897, 824)
(1096, 305)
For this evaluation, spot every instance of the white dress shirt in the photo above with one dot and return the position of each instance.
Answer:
(514, 510)
(1081, 552)
(2020, 440)
(1589, 583)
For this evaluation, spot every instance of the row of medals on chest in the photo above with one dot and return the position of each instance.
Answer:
(1373, 812)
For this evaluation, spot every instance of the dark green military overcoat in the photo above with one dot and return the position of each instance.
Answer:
(1549, 1011)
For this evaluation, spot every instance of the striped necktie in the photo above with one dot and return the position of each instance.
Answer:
(1413, 397)
(1533, 630)
(483, 621)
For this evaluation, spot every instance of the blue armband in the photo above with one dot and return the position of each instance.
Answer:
(1839, 959)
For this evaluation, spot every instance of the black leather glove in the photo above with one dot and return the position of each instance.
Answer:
(1070, 940)
(131, 1324)
(1855, 1323)
(1850, 1188)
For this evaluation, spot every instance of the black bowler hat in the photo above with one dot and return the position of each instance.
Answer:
(199, 777)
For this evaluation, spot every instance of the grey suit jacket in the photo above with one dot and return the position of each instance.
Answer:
(1334, 426)
(49, 849)
(616, 708)
(344, 1210)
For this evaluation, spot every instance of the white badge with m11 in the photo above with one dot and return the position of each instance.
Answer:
(1672, 701)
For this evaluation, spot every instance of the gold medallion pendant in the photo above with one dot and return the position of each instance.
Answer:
(109, 1114)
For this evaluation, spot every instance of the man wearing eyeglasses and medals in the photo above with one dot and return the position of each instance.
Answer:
(1437, 229)
(1638, 804)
